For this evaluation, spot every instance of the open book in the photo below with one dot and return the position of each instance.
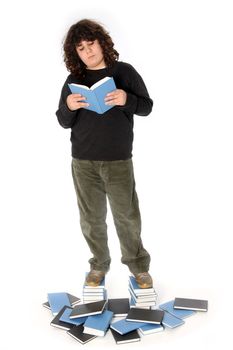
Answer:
(95, 94)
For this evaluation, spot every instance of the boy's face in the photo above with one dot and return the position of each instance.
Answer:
(90, 52)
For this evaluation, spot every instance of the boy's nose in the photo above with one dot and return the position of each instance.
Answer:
(88, 49)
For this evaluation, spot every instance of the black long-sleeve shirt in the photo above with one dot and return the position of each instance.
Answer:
(108, 136)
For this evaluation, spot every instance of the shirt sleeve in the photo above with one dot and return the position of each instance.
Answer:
(138, 100)
(65, 116)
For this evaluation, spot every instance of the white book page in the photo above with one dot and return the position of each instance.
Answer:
(81, 86)
(100, 82)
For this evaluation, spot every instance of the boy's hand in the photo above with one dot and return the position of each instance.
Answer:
(75, 101)
(117, 97)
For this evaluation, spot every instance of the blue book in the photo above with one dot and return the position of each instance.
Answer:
(171, 321)
(99, 324)
(65, 317)
(124, 326)
(57, 301)
(151, 328)
(168, 306)
(95, 94)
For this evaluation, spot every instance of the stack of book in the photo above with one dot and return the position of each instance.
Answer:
(141, 298)
(92, 294)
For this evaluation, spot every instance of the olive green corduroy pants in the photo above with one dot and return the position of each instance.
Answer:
(94, 182)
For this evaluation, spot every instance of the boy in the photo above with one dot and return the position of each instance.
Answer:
(102, 149)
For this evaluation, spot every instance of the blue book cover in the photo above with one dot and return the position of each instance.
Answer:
(98, 324)
(65, 317)
(171, 321)
(151, 328)
(57, 301)
(95, 94)
(168, 306)
(124, 326)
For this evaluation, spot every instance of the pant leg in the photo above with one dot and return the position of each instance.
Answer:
(121, 192)
(91, 198)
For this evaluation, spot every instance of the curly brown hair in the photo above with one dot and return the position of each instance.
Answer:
(88, 30)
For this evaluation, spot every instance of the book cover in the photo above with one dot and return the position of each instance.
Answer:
(57, 301)
(126, 338)
(119, 307)
(151, 328)
(88, 309)
(77, 333)
(65, 317)
(95, 94)
(137, 289)
(98, 324)
(168, 306)
(73, 301)
(124, 326)
(191, 304)
(46, 305)
(147, 316)
(56, 322)
(171, 321)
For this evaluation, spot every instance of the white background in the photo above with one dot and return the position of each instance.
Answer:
(182, 157)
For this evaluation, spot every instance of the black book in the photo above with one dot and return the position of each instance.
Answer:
(60, 324)
(88, 309)
(191, 304)
(77, 333)
(47, 305)
(120, 307)
(147, 316)
(126, 338)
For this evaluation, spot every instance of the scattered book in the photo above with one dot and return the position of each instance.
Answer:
(88, 309)
(98, 324)
(77, 333)
(168, 306)
(126, 338)
(124, 327)
(46, 305)
(95, 94)
(150, 328)
(191, 304)
(119, 307)
(57, 301)
(171, 321)
(147, 316)
(73, 301)
(56, 322)
(65, 317)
